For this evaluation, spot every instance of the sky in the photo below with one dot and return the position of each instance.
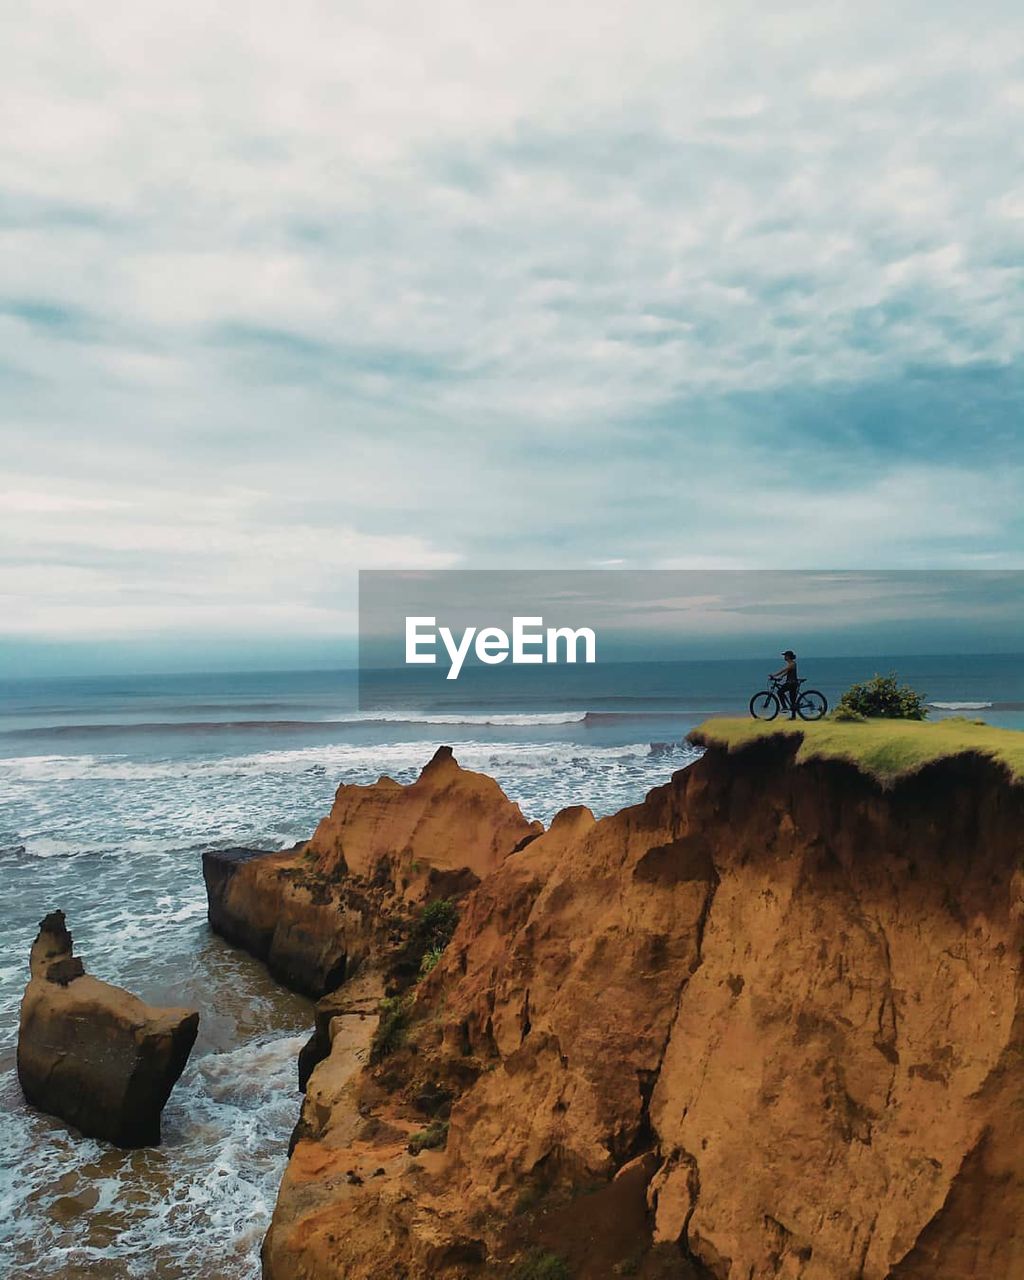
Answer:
(286, 293)
(673, 614)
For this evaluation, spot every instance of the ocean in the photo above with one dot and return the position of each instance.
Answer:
(111, 788)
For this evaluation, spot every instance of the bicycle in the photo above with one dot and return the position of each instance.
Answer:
(767, 703)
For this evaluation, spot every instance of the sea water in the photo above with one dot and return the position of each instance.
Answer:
(110, 790)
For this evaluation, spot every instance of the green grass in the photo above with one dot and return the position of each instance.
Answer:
(430, 960)
(432, 1138)
(540, 1265)
(884, 748)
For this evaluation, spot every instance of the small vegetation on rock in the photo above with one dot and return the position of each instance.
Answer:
(883, 697)
(432, 1138)
(436, 924)
(530, 1197)
(630, 1266)
(539, 1264)
(429, 962)
(391, 1029)
(428, 934)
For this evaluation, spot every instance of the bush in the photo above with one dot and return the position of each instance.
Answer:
(435, 925)
(429, 962)
(429, 933)
(881, 696)
(432, 1138)
(391, 1029)
(540, 1265)
(845, 713)
(530, 1197)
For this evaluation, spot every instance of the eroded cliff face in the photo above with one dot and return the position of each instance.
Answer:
(319, 912)
(771, 1017)
(441, 834)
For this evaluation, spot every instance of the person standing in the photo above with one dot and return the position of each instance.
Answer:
(790, 682)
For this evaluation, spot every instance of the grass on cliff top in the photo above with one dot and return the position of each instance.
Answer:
(884, 748)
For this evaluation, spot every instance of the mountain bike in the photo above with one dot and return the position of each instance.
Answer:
(766, 705)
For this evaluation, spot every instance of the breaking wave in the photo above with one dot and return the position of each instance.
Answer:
(195, 1208)
(961, 706)
(108, 729)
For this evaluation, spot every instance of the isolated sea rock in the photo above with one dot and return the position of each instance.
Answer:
(93, 1054)
(315, 913)
(772, 1016)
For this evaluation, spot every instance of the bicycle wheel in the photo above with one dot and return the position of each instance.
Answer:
(811, 705)
(764, 705)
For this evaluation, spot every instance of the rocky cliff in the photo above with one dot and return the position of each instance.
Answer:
(317, 913)
(767, 1023)
(439, 835)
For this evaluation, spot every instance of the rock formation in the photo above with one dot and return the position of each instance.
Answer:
(438, 836)
(93, 1054)
(770, 1018)
(310, 931)
(315, 913)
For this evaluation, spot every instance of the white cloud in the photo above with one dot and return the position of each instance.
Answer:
(430, 286)
(173, 561)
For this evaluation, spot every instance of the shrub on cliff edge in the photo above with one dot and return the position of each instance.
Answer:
(848, 716)
(883, 697)
(429, 962)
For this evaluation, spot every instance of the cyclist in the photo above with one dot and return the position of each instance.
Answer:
(790, 682)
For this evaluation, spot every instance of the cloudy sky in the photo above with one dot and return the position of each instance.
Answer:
(289, 291)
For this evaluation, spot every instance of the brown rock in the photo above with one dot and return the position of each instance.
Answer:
(438, 836)
(785, 999)
(358, 999)
(93, 1054)
(316, 913)
(311, 934)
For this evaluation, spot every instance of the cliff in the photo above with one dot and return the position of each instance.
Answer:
(319, 912)
(767, 1023)
(439, 835)
(883, 749)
